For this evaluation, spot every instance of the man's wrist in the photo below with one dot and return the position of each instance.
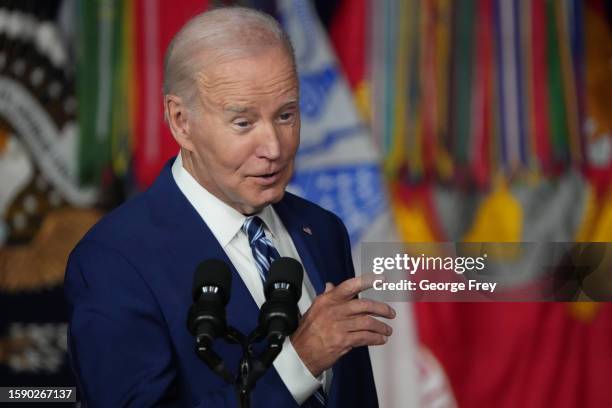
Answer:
(316, 373)
(297, 377)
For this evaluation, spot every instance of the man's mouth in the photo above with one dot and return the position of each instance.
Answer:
(268, 178)
(269, 175)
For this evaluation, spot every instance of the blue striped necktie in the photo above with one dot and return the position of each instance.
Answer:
(263, 250)
(264, 254)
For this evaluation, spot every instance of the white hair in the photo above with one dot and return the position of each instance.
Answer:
(219, 34)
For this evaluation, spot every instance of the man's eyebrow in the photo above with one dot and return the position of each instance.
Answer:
(290, 102)
(236, 108)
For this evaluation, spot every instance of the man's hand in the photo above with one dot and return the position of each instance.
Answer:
(337, 321)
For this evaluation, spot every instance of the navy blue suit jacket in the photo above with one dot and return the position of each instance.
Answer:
(128, 284)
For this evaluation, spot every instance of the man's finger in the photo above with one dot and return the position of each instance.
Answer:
(328, 287)
(351, 287)
(368, 306)
(366, 338)
(367, 323)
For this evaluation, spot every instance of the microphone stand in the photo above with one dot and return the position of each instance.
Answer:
(253, 368)
(206, 353)
(250, 368)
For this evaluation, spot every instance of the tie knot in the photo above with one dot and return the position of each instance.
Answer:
(253, 227)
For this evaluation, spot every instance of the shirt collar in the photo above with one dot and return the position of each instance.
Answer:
(270, 219)
(224, 221)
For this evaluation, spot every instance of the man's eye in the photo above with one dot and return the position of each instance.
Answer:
(286, 116)
(242, 123)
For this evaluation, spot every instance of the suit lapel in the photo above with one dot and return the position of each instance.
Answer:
(189, 241)
(304, 234)
(304, 240)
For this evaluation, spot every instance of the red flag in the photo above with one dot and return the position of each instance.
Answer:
(348, 35)
(522, 354)
(157, 21)
(482, 126)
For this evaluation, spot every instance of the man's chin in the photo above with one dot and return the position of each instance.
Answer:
(271, 196)
(263, 200)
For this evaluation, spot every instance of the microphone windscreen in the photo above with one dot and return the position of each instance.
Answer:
(213, 272)
(287, 270)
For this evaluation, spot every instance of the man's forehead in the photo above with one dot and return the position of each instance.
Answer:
(233, 107)
(280, 82)
(221, 69)
(239, 85)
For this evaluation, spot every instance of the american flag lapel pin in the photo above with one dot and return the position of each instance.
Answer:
(307, 230)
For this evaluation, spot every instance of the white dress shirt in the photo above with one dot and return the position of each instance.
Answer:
(226, 225)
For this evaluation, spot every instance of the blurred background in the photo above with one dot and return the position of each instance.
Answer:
(422, 121)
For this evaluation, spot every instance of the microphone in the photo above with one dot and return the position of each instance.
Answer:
(211, 292)
(279, 315)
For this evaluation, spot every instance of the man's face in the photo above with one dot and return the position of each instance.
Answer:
(245, 129)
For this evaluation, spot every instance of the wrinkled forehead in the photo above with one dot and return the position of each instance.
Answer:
(268, 73)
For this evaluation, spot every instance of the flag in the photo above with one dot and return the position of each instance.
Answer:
(157, 21)
(598, 93)
(348, 34)
(41, 218)
(522, 354)
(104, 88)
(337, 166)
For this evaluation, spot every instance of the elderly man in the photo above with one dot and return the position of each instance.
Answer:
(231, 101)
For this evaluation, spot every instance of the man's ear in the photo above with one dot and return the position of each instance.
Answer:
(177, 115)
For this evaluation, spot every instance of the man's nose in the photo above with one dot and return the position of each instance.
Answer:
(269, 143)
